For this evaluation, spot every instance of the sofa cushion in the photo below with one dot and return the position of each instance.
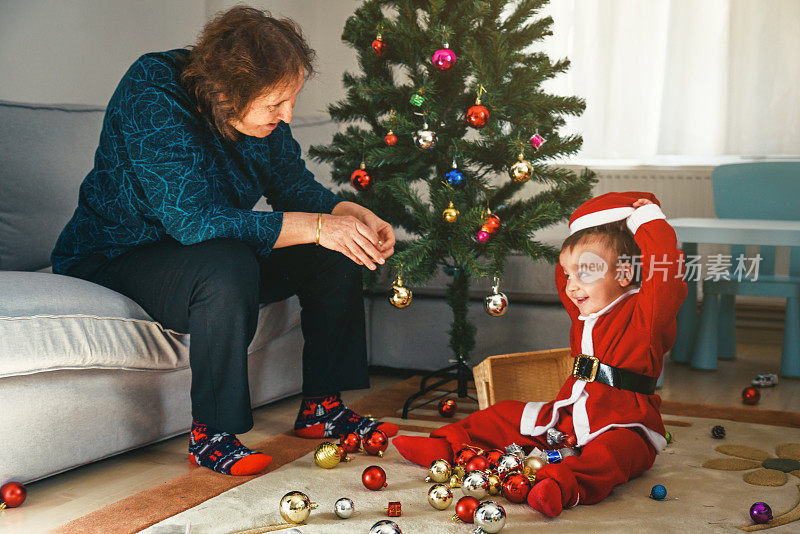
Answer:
(45, 152)
(51, 321)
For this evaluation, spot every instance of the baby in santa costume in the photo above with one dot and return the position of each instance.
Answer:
(622, 324)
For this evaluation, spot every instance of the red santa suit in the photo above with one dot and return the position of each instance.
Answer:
(619, 431)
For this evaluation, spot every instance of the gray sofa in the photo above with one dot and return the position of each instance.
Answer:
(80, 361)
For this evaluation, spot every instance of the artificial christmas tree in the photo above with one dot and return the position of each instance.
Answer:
(448, 119)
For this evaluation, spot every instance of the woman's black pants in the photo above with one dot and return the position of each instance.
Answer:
(212, 291)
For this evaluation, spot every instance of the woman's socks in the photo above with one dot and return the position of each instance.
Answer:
(223, 453)
(327, 416)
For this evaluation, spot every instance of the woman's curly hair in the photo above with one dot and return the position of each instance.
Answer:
(241, 54)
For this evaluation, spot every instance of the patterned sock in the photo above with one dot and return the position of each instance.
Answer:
(223, 453)
(327, 416)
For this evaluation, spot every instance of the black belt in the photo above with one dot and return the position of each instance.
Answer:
(590, 369)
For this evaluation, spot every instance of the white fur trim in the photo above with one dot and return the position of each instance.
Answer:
(577, 388)
(529, 416)
(643, 214)
(604, 310)
(600, 217)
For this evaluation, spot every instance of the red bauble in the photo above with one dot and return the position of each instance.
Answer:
(350, 442)
(374, 478)
(750, 395)
(12, 494)
(491, 224)
(390, 139)
(447, 407)
(463, 456)
(493, 456)
(571, 441)
(465, 508)
(361, 180)
(515, 487)
(477, 116)
(378, 46)
(376, 442)
(477, 463)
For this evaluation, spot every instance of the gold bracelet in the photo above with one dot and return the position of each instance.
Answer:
(319, 226)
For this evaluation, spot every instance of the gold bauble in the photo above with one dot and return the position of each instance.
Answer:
(455, 482)
(327, 455)
(295, 507)
(531, 464)
(495, 485)
(450, 214)
(440, 496)
(401, 296)
(521, 171)
(439, 471)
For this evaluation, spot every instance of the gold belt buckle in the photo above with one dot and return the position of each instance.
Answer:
(595, 366)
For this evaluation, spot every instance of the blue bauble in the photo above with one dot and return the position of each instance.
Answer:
(658, 492)
(455, 179)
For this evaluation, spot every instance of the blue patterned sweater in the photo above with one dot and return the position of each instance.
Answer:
(161, 169)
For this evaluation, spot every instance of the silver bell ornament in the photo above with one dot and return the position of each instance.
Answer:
(496, 304)
(385, 527)
(490, 518)
(475, 484)
(425, 139)
(509, 463)
(295, 507)
(344, 508)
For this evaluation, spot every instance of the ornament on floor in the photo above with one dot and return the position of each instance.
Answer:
(554, 457)
(465, 509)
(536, 141)
(390, 139)
(515, 449)
(750, 396)
(718, 432)
(478, 115)
(454, 177)
(295, 507)
(444, 58)
(394, 509)
(374, 478)
(12, 494)
(350, 442)
(450, 214)
(490, 518)
(477, 463)
(463, 455)
(496, 303)
(344, 508)
(522, 170)
(495, 484)
(668, 436)
(447, 407)
(376, 442)
(475, 484)
(378, 45)
(360, 179)
(531, 465)
(343, 454)
(493, 456)
(658, 492)
(385, 527)
(555, 437)
(765, 380)
(491, 225)
(439, 471)
(425, 139)
(440, 496)
(509, 463)
(401, 295)
(516, 487)
(760, 512)
(327, 455)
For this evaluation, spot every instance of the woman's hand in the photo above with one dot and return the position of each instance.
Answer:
(383, 230)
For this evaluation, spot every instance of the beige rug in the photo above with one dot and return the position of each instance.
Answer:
(699, 499)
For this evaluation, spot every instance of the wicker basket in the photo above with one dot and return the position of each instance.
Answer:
(524, 376)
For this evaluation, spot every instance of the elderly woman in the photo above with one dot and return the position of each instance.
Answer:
(191, 140)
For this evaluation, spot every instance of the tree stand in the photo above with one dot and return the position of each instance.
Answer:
(462, 341)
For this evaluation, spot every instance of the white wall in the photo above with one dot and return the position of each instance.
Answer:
(75, 51)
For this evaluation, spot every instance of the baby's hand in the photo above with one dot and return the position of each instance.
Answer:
(641, 202)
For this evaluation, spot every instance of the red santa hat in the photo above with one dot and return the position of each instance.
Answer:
(610, 207)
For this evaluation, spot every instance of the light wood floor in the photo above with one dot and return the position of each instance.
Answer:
(61, 498)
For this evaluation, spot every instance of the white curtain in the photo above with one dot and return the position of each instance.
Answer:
(685, 79)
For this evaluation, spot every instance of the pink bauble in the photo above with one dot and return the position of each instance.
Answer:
(483, 236)
(443, 59)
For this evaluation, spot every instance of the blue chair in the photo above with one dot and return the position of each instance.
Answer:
(768, 190)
